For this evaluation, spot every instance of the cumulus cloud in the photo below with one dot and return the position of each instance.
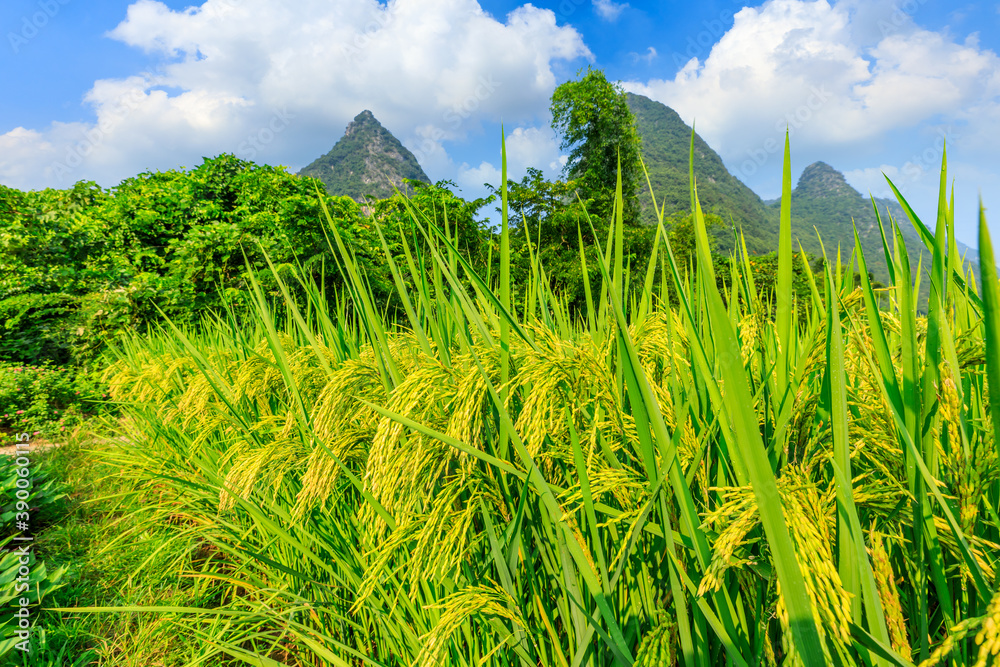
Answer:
(609, 10)
(474, 177)
(536, 147)
(844, 74)
(263, 78)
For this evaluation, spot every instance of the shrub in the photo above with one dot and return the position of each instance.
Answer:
(43, 400)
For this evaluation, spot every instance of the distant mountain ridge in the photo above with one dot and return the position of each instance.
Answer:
(367, 162)
(822, 201)
(825, 207)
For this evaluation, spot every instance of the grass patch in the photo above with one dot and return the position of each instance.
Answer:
(104, 532)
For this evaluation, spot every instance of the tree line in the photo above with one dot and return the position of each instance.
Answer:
(80, 265)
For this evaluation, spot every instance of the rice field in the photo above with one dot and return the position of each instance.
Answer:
(679, 475)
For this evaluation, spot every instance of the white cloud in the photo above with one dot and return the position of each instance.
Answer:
(649, 56)
(536, 147)
(264, 78)
(609, 10)
(806, 65)
(474, 177)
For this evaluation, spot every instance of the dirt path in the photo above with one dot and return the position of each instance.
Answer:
(35, 447)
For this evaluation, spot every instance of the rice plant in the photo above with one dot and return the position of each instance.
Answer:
(491, 478)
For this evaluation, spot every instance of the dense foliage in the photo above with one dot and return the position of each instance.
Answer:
(80, 266)
(83, 265)
(44, 400)
(592, 116)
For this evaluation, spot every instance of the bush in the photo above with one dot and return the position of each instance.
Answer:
(37, 327)
(43, 400)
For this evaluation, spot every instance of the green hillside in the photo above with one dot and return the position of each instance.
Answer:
(666, 141)
(367, 162)
(824, 202)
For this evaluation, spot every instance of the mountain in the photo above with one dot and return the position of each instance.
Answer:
(666, 142)
(367, 162)
(824, 202)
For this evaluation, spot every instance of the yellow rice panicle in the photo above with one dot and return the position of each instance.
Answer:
(885, 582)
(489, 604)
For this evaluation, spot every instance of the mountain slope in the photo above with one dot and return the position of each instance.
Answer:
(666, 141)
(368, 161)
(824, 202)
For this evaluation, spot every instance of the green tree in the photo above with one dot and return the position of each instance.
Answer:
(438, 204)
(598, 129)
(190, 234)
(547, 221)
(79, 266)
(47, 238)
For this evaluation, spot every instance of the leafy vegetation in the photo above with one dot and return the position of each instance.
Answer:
(398, 438)
(84, 265)
(26, 573)
(94, 534)
(598, 129)
(43, 400)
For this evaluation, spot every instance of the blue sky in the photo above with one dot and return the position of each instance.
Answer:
(104, 90)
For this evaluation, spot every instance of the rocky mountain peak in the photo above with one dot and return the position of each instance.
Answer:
(364, 120)
(821, 180)
(368, 161)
